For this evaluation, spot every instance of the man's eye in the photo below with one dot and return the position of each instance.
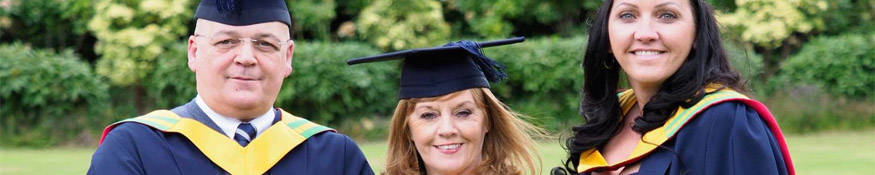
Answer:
(227, 42)
(263, 43)
(266, 46)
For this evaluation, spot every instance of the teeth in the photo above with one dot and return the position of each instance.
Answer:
(646, 53)
(449, 147)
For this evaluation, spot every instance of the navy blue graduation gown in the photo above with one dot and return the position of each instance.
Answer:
(727, 138)
(134, 148)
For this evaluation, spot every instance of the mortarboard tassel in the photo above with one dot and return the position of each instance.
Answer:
(493, 70)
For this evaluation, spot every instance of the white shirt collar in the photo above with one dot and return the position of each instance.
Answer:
(229, 125)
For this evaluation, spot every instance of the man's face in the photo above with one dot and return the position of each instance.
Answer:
(240, 78)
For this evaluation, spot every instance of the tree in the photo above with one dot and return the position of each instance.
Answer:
(402, 24)
(501, 18)
(56, 25)
(312, 16)
(774, 25)
(778, 27)
(131, 35)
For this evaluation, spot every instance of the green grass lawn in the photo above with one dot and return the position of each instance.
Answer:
(823, 153)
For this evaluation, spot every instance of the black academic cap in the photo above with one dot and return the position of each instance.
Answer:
(437, 71)
(243, 12)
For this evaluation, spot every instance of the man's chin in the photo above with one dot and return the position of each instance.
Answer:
(245, 100)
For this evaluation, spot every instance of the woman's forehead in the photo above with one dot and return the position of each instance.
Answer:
(651, 3)
(455, 97)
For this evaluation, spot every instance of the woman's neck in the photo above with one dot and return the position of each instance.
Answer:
(468, 170)
(643, 93)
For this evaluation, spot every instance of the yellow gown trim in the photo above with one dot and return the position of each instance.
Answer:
(256, 158)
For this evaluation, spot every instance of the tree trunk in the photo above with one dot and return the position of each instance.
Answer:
(140, 98)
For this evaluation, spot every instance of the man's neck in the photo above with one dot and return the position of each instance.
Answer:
(229, 124)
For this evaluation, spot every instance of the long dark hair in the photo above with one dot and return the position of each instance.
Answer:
(707, 63)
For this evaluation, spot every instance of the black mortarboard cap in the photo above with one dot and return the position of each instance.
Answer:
(243, 12)
(436, 71)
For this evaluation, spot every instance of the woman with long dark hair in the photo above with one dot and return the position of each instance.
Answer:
(685, 112)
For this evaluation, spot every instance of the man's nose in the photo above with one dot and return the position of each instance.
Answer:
(246, 55)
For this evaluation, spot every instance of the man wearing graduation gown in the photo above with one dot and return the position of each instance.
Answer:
(240, 53)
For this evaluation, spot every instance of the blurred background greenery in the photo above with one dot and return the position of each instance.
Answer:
(70, 67)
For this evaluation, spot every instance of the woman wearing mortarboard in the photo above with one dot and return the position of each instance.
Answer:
(448, 121)
(685, 113)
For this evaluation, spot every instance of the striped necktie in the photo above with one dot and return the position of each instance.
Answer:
(244, 134)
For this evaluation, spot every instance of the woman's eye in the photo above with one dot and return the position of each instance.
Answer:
(463, 113)
(627, 16)
(428, 115)
(668, 16)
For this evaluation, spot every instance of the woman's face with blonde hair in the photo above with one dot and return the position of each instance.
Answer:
(449, 131)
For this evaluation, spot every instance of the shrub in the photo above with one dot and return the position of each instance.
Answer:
(805, 109)
(131, 35)
(325, 90)
(842, 65)
(501, 18)
(397, 25)
(46, 95)
(544, 79)
(171, 82)
(312, 16)
(46, 24)
(826, 86)
(747, 63)
(768, 23)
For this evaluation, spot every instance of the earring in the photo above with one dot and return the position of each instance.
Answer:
(606, 65)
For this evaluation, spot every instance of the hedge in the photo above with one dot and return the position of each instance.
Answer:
(544, 79)
(842, 65)
(42, 94)
(324, 89)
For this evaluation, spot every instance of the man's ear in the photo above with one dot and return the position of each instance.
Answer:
(290, 50)
(192, 54)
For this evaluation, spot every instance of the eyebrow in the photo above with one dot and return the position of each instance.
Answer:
(668, 3)
(226, 32)
(424, 106)
(624, 3)
(462, 104)
(660, 5)
(266, 35)
(236, 34)
(457, 106)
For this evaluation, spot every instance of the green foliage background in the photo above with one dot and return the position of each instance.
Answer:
(843, 65)
(544, 77)
(68, 68)
(68, 92)
(326, 90)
